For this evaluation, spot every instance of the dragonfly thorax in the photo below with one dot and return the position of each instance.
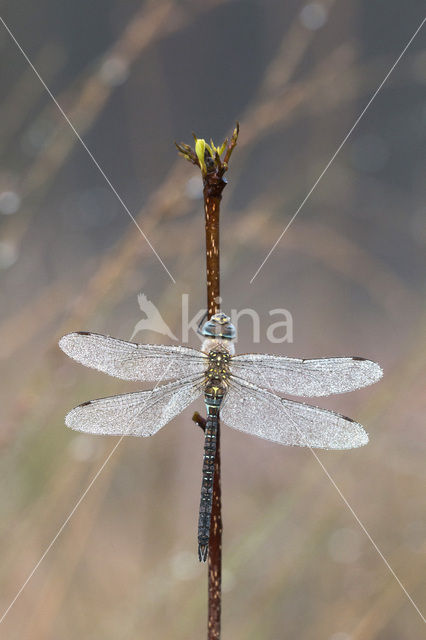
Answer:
(218, 365)
(218, 372)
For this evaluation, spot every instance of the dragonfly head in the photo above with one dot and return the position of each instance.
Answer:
(219, 326)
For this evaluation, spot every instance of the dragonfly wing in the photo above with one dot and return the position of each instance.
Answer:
(131, 361)
(137, 414)
(318, 377)
(258, 412)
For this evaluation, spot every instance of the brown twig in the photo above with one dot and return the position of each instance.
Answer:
(199, 420)
(208, 158)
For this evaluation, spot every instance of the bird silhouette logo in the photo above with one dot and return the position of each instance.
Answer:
(153, 320)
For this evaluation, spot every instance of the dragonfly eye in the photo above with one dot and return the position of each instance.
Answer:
(219, 326)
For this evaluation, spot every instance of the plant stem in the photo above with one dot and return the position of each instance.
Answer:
(212, 167)
(213, 187)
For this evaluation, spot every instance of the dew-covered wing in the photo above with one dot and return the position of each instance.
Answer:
(135, 414)
(131, 361)
(260, 413)
(318, 377)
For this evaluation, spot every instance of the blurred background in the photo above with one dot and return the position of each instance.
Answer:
(133, 77)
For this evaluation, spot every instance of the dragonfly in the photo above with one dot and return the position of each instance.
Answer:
(241, 390)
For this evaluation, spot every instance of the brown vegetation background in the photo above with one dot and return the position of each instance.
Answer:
(133, 77)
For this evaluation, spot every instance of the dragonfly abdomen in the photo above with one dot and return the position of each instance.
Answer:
(210, 436)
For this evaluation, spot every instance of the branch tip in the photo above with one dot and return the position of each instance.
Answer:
(209, 156)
